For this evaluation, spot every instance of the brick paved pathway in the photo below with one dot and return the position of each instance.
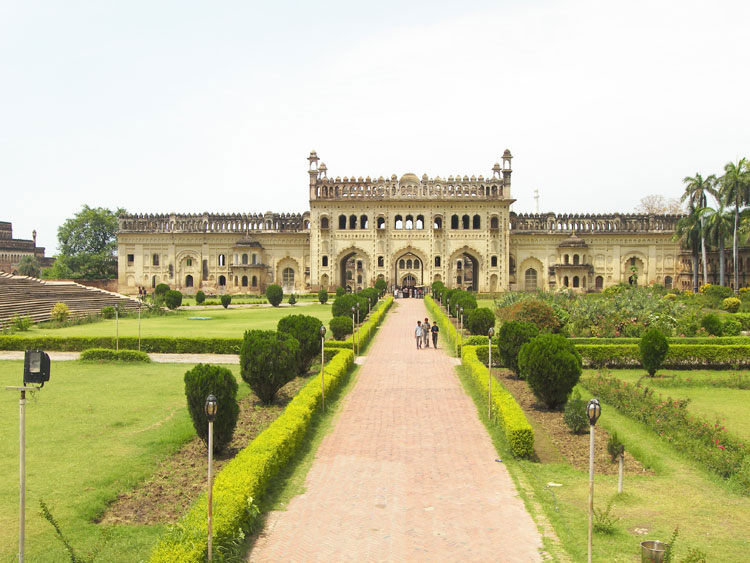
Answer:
(408, 472)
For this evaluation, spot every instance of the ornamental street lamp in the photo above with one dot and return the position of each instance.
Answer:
(490, 334)
(593, 411)
(461, 329)
(354, 329)
(358, 343)
(322, 366)
(212, 408)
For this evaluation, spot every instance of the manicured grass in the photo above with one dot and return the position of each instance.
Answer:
(711, 517)
(93, 431)
(728, 407)
(223, 322)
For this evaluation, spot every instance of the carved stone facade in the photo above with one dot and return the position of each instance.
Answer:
(408, 231)
(12, 250)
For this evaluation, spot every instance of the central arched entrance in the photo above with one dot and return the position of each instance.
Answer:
(408, 270)
(408, 281)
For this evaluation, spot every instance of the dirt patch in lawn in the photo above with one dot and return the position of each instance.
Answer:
(557, 441)
(181, 478)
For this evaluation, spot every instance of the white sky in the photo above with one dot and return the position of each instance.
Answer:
(214, 106)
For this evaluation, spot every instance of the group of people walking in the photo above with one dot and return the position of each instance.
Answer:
(423, 331)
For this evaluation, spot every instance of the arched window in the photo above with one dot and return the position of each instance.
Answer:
(529, 279)
(381, 262)
(493, 223)
(188, 281)
(398, 222)
(324, 261)
(476, 222)
(287, 277)
(324, 223)
(420, 222)
(459, 264)
(575, 259)
(352, 221)
(222, 281)
(668, 282)
(454, 221)
(255, 259)
(359, 264)
(401, 264)
(458, 280)
(493, 261)
(363, 222)
(254, 281)
(359, 278)
(349, 275)
(244, 258)
(566, 259)
(381, 222)
(153, 281)
(437, 261)
(511, 265)
(155, 260)
(244, 281)
(438, 223)
(189, 262)
(408, 264)
(465, 222)
(576, 281)
(409, 222)
(566, 282)
(342, 222)
(599, 282)
(222, 260)
(416, 263)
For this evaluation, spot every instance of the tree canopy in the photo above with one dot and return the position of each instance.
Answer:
(659, 205)
(88, 245)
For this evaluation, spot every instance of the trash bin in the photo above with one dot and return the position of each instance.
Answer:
(652, 551)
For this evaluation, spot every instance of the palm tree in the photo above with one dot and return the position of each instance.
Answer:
(718, 224)
(689, 230)
(696, 191)
(735, 191)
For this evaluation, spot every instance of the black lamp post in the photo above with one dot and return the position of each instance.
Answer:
(322, 366)
(593, 411)
(490, 334)
(212, 407)
(358, 343)
(461, 329)
(354, 330)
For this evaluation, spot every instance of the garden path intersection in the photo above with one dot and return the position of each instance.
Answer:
(408, 472)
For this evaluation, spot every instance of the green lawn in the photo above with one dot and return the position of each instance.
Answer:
(93, 431)
(729, 407)
(711, 517)
(232, 322)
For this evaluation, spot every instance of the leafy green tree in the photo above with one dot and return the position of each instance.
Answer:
(689, 232)
(696, 190)
(552, 367)
(88, 245)
(268, 361)
(274, 294)
(718, 228)
(323, 296)
(29, 266)
(173, 298)
(200, 382)
(480, 321)
(306, 330)
(653, 348)
(511, 336)
(225, 300)
(381, 286)
(735, 191)
(341, 327)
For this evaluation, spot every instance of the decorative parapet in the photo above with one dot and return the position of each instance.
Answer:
(409, 186)
(243, 223)
(585, 223)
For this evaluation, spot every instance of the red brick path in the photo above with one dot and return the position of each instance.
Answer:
(408, 473)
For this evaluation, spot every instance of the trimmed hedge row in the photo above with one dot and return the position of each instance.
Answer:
(247, 476)
(366, 330)
(447, 329)
(164, 345)
(713, 340)
(107, 355)
(679, 356)
(507, 412)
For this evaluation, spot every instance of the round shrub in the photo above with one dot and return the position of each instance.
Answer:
(463, 299)
(574, 415)
(268, 361)
(446, 295)
(173, 298)
(274, 294)
(340, 291)
(653, 348)
(511, 336)
(381, 286)
(370, 294)
(341, 327)
(161, 289)
(200, 382)
(225, 300)
(731, 304)
(480, 321)
(292, 299)
(306, 330)
(537, 312)
(670, 296)
(342, 306)
(323, 296)
(552, 367)
(200, 297)
(108, 312)
(712, 324)
(59, 312)
(731, 327)
(716, 292)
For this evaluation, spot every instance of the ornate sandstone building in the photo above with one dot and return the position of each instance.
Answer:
(408, 231)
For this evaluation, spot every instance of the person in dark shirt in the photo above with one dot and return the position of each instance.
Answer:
(434, 331)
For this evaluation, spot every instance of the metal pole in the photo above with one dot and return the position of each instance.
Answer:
(619, 478)
(591, 490)
(210, 488)
(354, 332)
(117, 330)
(489, 383)
(139, 327)
(461, 332)
(22, 476)
(322, 371)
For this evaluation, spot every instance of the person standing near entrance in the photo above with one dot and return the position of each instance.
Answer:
(426, 333)
(434, 331)
(418, 334)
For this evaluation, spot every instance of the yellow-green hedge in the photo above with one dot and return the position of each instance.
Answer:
(247, 476)
(505, 410)
(366, 330)
(446, 326)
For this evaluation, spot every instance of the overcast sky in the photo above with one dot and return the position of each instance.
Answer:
(214, 106)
